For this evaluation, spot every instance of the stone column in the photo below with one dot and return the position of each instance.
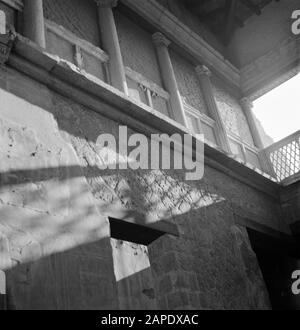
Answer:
(2, 22)
(33, 22)
(168, 76)
(247, 106)
(110, 42)
(204, 75)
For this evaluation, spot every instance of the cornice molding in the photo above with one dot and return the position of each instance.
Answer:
(185, 38)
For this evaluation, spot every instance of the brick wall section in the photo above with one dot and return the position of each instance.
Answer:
(217, 270)
(78, 16)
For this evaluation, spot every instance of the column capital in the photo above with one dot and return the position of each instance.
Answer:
(160, 40)
(246, 103)
(203, 70)
(106, 3)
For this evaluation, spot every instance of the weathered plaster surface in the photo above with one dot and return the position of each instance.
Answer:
(133, 272)
(58, 247)
(232, 113)
(188, 82)
(53, 193)
(78, 16)
(137, 48)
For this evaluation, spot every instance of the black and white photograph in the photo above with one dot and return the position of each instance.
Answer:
(149, 159)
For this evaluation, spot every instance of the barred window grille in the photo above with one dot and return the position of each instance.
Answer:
(284, 157)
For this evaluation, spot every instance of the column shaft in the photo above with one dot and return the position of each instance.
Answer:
(33, 22)
(110, 42)
(207, 90)
(169, 78)
(247, 108)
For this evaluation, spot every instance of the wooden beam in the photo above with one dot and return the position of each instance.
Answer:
(250, 5)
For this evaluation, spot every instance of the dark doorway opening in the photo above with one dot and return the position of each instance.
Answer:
(278, 258)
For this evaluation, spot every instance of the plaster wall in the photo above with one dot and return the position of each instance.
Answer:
(137, 48)
(78, 16)
(54, 235)
(188, 82)
(231, 112)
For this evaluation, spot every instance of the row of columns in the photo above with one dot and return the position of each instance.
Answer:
(34, 29)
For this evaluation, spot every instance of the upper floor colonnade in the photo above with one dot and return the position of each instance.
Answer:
(34, 28)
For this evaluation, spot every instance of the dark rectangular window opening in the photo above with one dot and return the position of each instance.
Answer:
(131, 232)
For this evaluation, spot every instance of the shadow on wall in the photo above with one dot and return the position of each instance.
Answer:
(49, 214)
(81, 279)
(44, 222)
(51, 265)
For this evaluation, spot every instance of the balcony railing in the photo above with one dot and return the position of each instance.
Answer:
(284, 157)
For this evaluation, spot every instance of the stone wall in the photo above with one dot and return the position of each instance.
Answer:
(53, 196)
